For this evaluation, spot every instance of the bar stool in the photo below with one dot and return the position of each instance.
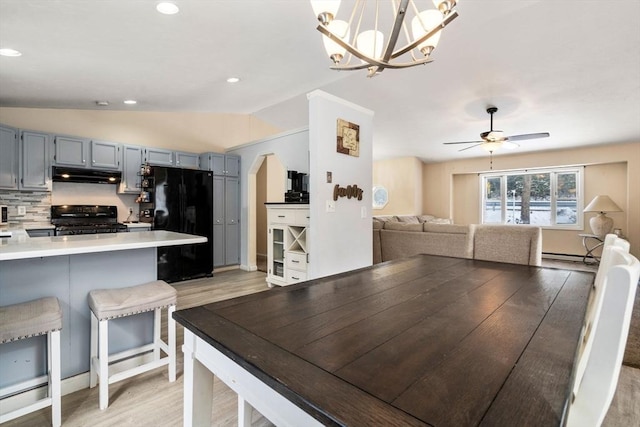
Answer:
(26, 320)
(108, 304)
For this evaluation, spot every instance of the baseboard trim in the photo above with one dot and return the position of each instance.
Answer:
(562, 257)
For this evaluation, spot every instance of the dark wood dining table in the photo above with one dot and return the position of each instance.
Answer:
(425, 340)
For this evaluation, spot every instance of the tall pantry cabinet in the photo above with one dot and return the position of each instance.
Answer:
(226, 207)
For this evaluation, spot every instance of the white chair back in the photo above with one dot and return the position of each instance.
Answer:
(595, 301)
(596, 385)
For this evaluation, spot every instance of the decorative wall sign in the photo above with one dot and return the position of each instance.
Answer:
(350, 191)
(348, 138)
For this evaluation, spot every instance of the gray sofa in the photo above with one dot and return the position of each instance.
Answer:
(393, 239)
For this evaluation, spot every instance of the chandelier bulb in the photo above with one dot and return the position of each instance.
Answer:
(445, 6)
(336, 57)
(325, 18)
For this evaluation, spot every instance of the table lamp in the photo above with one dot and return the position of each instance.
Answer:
(601, 224)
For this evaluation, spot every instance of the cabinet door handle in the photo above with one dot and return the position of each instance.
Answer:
(296, 261)
(281, 216)
(295, 278)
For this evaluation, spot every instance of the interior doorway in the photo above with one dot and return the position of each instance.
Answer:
(269, 175)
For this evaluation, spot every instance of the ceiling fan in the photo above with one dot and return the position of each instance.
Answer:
(495, 139)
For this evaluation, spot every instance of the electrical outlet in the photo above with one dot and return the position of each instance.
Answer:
(22, 210)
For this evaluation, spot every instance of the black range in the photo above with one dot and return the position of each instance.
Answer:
(85, 219)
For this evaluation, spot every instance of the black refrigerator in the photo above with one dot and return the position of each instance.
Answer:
(180, 200)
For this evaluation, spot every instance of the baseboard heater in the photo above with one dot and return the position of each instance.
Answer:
(563, 257)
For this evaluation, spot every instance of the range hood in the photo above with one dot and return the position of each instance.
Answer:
(87, 176)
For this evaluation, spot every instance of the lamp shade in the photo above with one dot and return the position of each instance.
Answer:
(334, 50)
(602, 203)
(422, 24)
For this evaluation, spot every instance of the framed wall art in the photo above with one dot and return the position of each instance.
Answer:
(348, 140)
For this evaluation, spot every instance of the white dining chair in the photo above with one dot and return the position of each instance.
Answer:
(596, 385)
(595, 302)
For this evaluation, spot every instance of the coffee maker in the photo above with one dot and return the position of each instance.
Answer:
(297, 187)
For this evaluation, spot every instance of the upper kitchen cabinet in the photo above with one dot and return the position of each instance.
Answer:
(106, 155)
(70, 151)
(8, 158)
(221, 164)
(158, 156)
(35, 168)
(131, 161)
(186, 160)
(83, 153)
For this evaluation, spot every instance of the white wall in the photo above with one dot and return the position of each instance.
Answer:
(292, 150)
(340, 240)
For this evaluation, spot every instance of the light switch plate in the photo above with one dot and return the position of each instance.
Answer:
(22, 210)
(329, 177)
(331, 206)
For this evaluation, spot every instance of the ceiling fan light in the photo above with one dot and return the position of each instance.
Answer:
(423, 23)
(491, 146)
(325, 10)
(370, 43)
(509, 145)
(334, 50)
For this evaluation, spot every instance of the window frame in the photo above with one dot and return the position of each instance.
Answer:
(553, 184)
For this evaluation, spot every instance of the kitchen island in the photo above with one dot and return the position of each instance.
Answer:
(68, 267)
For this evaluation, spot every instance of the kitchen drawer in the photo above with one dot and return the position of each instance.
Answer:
(281, 216)
(294, 276)
(296, 261)
(302, 217)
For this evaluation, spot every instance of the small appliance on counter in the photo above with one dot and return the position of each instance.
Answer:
(297, 187)
(85, 219)
(4, 215)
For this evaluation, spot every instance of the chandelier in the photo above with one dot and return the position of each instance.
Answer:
(362, 38)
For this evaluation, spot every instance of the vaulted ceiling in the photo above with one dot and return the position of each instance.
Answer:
(570, 68)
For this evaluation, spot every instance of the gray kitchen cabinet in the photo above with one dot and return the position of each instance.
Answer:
(226, 221)
(106, 155)
(71, 151)
(158, 156)
(221, 164)
(232, 218)
(131, 162)
(186, 160)
(8, 158)
(35, 168)
(226, 206)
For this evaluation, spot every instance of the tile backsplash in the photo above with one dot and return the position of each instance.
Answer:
(37, 204)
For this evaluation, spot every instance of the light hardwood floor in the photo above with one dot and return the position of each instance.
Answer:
(150, 400)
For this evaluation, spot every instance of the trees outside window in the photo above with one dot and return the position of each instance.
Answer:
(547, 198)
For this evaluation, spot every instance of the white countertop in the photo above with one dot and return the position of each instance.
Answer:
(21, 246)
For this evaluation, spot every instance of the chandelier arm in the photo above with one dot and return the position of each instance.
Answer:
(387, 65)
(450, 17)
(395, 31)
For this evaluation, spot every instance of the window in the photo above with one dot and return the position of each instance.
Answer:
(550, 198)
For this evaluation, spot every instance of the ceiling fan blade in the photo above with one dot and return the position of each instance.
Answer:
(528, 136)
(465, 142)
(473, 146)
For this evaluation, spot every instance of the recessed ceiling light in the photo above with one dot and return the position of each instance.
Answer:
(167, 8)
(10, 52)
(233, 80)
(130, 101)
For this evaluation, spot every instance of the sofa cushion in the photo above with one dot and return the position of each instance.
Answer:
(408, 219)
(425, 218)
(516, 244)
(401, 226)
(440, 221)
(398, 244)
(445, 228)
(377, 225)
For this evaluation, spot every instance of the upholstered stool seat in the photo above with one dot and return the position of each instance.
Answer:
(108, 304)
(26, 320)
